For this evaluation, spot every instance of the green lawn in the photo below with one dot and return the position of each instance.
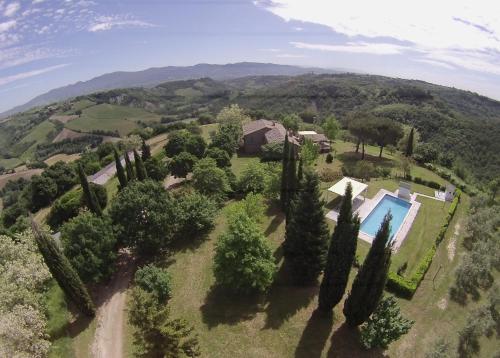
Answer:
(57, 325)
(238, 163)
(422, 235)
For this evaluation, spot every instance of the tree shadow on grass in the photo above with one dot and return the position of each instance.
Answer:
(345, 343)
(279, 217)
(284, 299)
(224, 307)
(353, 157)
(73, 327)
(314, 336)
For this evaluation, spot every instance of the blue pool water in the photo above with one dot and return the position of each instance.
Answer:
(398, 207)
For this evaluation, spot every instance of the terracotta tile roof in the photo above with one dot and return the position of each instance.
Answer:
(259, 124)
(274, 135)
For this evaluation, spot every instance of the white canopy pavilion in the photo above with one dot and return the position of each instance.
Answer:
(357, 187)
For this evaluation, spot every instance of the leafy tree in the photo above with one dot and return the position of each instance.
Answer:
(271, 152)
(329, 158)
(10, 215)
(63, 272)
(439, 349)
(385, 325)
(105, 149)
(409, 143)
(139, 167)
(306, 241)
(24, 279)
(195, 215)
(426, 153)
(331, 127)
(220, 156)
(273, 181)
(64, 208)
(196, 145)
(63, 175)
(493, 188)
(206, 118)
(144, 216)
(155, 280)
(243, 260)
(284, 192)
(361, 126)
(176, 143)
(405, 165)
(291, 177)
(230, 130)
(368, 286)
(182, 164)
(100, 192)
(156, 334)
(341, 254)
(90, 246)
(309, 152)
(386, 132)
(43, 191)
(253, 178)
(120, 172)
(128, 167)
(291, 122)
(156, 169)
(210, 180)
(146, 151)
(252, 205)
(184, 141)
(89, 195)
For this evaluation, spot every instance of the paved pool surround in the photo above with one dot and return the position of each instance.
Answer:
(366, 207)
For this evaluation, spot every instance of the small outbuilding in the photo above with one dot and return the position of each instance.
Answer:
(357, 187)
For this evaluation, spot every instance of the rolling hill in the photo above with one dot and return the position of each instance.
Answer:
(460, 125)
(154, 76)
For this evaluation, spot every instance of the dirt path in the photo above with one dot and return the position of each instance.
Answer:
(453, 242)
(111, 315)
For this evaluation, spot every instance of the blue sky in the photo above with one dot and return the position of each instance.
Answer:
(50, 43)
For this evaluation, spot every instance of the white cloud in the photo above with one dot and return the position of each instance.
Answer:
(455, 32)
(6, 26)
(38, 1)
(355, 47)
(290, 55)
(23, 75)
(104, 23)
(436, 63)
(11, 9)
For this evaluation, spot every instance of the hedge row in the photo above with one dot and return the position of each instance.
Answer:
(406, 287)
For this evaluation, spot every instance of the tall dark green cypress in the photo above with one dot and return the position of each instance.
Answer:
(291, 177)
(120, 172)
(284, 173)
(139, 167)
(340, 255)
(90, 197)
(62, 271)
(300, 172)
(146, 151)
(128, 167)
(368, 286)
(307, 233)
(409, 144)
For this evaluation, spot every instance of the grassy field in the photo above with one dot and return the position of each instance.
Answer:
(67, 158)
(111, 117)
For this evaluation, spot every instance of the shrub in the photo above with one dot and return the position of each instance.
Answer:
(156, 169)
(253, 178)
(385, 325)
(155, 280)
(329, 158)
(272, 152)
(195, 215)
(220, 156)
(182, 164)
(383, 172)
(329, 174)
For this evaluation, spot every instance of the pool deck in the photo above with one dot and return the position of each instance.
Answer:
(363, 207)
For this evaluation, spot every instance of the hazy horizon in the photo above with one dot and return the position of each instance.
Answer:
(46, 44)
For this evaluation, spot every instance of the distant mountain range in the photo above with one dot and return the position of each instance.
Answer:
(155, 76)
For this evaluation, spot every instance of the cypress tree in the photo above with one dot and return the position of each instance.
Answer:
(139, 167)
(284, 173)
(129, 168)
(300, 173)
(120, 172)
(340, 255)
(146, 151)
(409, 144)
(368, 286)
(90, 197)
(291, 178)
(307, 233)
(63, 272)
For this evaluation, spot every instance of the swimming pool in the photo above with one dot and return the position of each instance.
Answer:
(398, 207)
